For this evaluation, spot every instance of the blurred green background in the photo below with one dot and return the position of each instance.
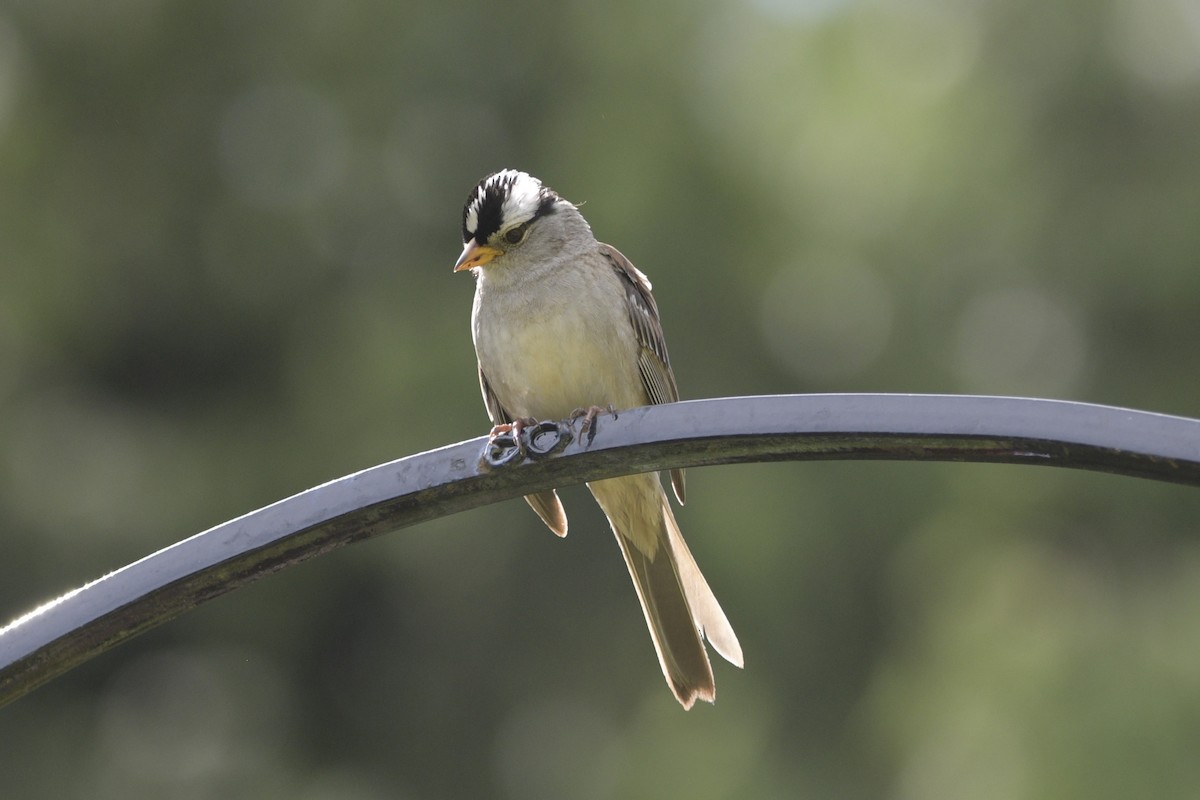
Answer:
(226, 233)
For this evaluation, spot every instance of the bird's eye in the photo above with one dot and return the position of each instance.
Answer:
(515, 235)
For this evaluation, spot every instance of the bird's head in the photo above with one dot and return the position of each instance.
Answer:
(509, 212)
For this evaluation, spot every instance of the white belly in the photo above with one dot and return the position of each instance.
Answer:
(548, 351)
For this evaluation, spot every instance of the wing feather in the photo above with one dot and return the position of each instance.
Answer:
(653, 362)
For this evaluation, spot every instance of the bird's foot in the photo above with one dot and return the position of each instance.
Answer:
(507, 432)
(588, 427)
(512, 442)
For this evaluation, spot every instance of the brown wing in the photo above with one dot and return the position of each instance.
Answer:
(495, 411)
(653, 362)
(546, 504)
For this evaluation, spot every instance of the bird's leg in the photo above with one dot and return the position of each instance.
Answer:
(589, 415)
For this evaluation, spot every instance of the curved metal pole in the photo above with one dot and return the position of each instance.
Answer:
(87, 621)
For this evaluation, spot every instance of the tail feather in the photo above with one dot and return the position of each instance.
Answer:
(678, 605)
(676, 639)
(706, 611)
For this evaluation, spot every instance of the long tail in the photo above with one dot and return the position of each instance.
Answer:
(679, 607)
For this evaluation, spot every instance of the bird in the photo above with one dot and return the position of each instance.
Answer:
(565, 326)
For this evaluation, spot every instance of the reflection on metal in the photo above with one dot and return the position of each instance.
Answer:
(71, 629)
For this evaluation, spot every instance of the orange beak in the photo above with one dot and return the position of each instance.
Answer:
(475, 255)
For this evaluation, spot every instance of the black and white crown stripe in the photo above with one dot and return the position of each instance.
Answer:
(505, 199)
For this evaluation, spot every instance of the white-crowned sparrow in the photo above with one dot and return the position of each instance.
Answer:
(561, 323)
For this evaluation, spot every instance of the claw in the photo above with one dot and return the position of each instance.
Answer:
(589, 418)
(513, 430)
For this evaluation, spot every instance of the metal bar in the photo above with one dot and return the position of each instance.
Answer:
(87, 621)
